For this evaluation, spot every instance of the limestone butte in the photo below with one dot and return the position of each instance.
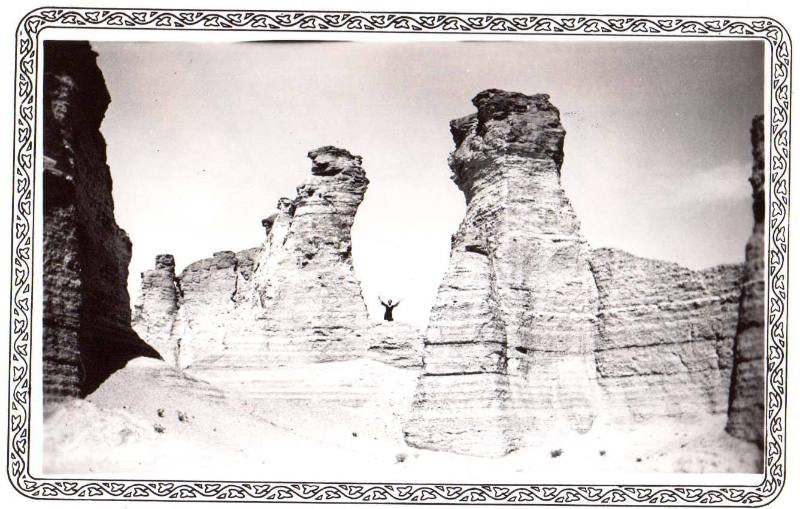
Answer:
(533, 331)
(512, 334)
(155, 311)
(87, 331)
(307, 297)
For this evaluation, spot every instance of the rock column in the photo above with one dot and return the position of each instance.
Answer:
(746, 410)
(510, 344)
(308, 298)
(154, 314)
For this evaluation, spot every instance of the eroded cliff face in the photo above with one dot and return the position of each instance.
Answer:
(211, 317)
(532, 331)
(666, 336)
(189, 317)
(293, 300)
(305, 275)
(746, 412)
(510, 344)
(154, 313)
(87, 333)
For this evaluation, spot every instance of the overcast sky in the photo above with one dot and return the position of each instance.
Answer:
(204, 138)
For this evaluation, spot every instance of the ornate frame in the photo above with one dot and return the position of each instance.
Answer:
(21, 274)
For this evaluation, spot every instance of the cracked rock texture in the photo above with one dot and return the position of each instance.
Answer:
(666, 336)
(210, 318)
(746, 411)
(511, 339)
(87, 319)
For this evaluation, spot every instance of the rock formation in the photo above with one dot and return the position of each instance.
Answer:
(746, 411)
(293, 300)
(308, 298)
(154, 313)
(666, 336)
(87, 333)
(511, 339)
(533, 331)
(209, 316)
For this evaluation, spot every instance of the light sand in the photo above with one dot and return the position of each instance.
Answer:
(266, 427)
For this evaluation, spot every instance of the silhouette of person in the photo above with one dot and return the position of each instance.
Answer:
(389, 307)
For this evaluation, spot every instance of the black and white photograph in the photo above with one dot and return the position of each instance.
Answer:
(317, 256)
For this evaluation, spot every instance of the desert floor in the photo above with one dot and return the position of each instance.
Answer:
(149, 421)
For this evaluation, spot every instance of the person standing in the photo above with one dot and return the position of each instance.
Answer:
(388, 308)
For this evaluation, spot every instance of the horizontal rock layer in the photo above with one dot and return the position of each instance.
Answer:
(531, 331)
(666, 335)
(87, 319)
(512, 332)
(292, 300)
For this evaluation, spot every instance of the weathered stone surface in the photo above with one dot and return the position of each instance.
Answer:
(666, 336)
(306, 301)
(292, 300)
(87, 333)
(510, 344)
(190, 317)
(154, 314)
(532, 331)
(746, 411)
(395, 343)
(212, 290)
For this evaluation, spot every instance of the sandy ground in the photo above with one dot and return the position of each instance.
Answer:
(148, 421)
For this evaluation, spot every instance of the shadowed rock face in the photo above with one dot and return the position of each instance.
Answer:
(87, 333)
(746, 412)
(511, 340)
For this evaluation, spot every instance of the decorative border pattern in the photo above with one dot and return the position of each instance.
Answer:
(27, 38)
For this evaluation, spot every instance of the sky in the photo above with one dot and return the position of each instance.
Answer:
(204, 138)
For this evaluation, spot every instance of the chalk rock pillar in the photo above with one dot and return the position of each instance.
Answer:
(310, 301)
(154, 314)
(510, 343)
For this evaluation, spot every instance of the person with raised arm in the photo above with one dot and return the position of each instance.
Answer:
(389, 307)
